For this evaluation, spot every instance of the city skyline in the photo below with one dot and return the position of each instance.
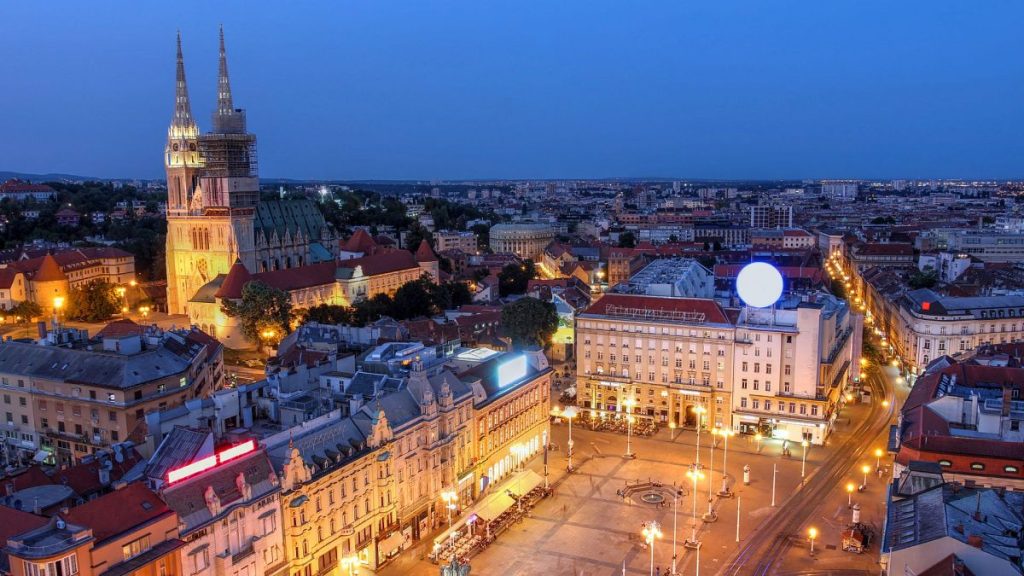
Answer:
(462, 92)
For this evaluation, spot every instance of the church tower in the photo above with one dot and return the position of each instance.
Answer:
(183, 162)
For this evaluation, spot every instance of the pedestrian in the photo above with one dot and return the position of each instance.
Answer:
(658, 571)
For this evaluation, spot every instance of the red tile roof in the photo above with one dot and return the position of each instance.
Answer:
(118, 512)
(238, 277)
(15, 185)
(424, 253)
(300, 277)
(883, 249)
(48, 271)
(14, 522)
(391, 261)
(359, 241)
(7, 276)
(709, 308)
(121, 328)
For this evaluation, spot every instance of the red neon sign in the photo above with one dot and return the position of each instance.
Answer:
(204, 464)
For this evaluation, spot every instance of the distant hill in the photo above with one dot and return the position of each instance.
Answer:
(52, 177)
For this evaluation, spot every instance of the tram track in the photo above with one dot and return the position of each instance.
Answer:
(769, 542)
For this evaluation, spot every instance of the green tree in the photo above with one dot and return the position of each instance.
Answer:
(529, 321)
(627, 240)
(96, 301)
(460, 294)
(413, 299)
(262, 310)
(329, 314)
(515, 278)
(923, 278)
(371, 309)
(27, 310)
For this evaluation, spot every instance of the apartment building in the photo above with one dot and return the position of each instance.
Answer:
(791, 365)
(63, 403)
(445, 240)
(930, 325)
(669, 355)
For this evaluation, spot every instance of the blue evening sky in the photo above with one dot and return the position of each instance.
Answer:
(528, 89)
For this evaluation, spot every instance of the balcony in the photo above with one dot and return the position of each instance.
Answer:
(242, 554)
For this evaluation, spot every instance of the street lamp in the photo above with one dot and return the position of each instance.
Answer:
(726, 433)
(651, 533)
(676, 492)
(695, 475)
(629, 403)
(710, 515)
(813, 533)
(699, 411)
(758, 437)
(568, 413)
(878, 458)
(352, 563)
(450, 498)
(849, 494)
(672, 431)
(803, 464)
(865, 469)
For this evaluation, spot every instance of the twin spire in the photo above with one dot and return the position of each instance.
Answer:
(225, 118)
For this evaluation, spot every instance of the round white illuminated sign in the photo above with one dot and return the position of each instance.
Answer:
(759, 284)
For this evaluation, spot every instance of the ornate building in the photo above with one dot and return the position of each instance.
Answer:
(214, 212)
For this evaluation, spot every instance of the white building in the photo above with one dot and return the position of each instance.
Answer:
(454, 240)
(230, 513)
(791, 366)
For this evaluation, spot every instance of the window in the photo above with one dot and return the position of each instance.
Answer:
(67, 566)
(135, 547)
(977, 466)
(743, 383)
(743, 402)
(200, 559)
(1012, 469)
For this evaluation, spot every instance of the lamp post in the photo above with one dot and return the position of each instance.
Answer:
(629, 403)
(865, 469)
(775, 469)
(651, 533)
(672, 431)
(725, 462)
(58, 303)
(849, 494)
(699, 411)
(757, 437)
(813, 533)
(878, 458)
(803, 463)
(710, 515)
(450, 498)
(352, 563)
(570, 413)
(695, 475)
(675, 521)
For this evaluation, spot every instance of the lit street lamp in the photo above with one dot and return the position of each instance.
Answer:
(710, 515)
(450, 498)
(569, 413)
(813, 533)
(651, 533)
(699, 411)
(803, 464)
(724, 492)
(629, 403)
(878, 458)
(849, 494)
(865, 469)
(672, 431)
(676, 492)
(695, 475)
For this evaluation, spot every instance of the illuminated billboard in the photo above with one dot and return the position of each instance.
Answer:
(205, 464)
(512, 370)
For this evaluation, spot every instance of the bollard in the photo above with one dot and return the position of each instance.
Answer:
(746, 475)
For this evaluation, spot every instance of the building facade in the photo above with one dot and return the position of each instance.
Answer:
(669, 355)
(214, 212)
(526, 240)
(445, 240)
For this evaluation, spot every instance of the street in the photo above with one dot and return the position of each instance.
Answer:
(588, 528)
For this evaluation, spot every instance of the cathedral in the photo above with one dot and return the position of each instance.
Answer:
(215, 216)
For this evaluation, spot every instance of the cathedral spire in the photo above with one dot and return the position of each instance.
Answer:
(182, 106)
(224, 105)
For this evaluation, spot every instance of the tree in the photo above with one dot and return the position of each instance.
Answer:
(627, 240)
(459, 293)
(413, 299)
(329, 314)
(923, 278)
(264, 312)
(27, 310)
(515, 278)
(529, 322)
(371, 309)
(96, 301)
(673, 239)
